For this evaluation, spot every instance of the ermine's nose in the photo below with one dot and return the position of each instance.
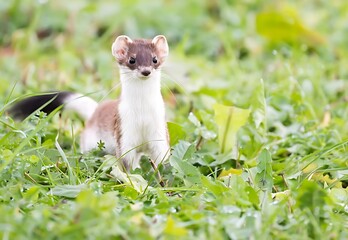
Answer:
(145, 73)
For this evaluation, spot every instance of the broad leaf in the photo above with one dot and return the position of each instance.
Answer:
(69, 191)
(134, 180)
(180, 154)
(264, 178)
(176, 133)
(284, 25)
(172, 229)
(313, 197)
(258, 106)
(229, 119)
(230, 171)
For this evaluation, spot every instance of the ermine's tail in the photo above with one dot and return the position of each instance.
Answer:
(82, 105)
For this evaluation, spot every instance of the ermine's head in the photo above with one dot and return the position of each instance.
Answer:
(140, 57)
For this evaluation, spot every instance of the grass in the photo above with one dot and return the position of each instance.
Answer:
(256, 96)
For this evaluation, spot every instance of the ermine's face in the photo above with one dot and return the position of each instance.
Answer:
(140, 58)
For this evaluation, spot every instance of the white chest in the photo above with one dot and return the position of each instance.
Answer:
(142, 111)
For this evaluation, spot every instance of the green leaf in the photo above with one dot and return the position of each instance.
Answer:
(134, 180)
(264, 178)
(182, 151)
(32, 193)
(312, 196)
(69, 191)
(130, 192)
(34, 159)
(180, 154)
(194, 119)
(72, 177)
(229, 119)
(201, 128)
(176, 133)
(6, 156)
(253, 197)
(339, 196)
(258, 106)
(284, 25)
(213, 186)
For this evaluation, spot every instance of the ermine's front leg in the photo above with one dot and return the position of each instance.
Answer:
(130, 157)
(130, 146)
(159, 151)
(159, 146)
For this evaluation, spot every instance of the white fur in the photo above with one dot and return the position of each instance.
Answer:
(89, 139)
(141, 111)
(142, 116)
(91, 136)
(82, 105)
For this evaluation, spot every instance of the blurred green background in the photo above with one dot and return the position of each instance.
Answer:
(39, 39)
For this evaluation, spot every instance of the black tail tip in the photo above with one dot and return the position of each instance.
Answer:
(45, 102)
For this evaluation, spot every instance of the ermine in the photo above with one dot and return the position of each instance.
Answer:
(134, 123)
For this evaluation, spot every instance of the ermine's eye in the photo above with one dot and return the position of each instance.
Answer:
(154, 60)
(131, 60)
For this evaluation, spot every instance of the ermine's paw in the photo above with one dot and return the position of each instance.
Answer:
(160, 152)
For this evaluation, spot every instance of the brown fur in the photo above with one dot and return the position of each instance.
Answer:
(140, 50)
(106, 117)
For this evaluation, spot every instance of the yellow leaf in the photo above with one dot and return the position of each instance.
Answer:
(174, 230)
(326, 119)
(32, 194)
(311, 167)
(284, 25)
(326, 179)
(280, 196)
(231, 171)
(229, 119)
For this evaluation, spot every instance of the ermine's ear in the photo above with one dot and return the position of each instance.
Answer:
(161, 45)
(119, 48)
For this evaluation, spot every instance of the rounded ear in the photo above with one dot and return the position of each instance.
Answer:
(119, 48)
(161, 45)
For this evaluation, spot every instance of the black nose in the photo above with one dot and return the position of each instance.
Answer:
(145, 73)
